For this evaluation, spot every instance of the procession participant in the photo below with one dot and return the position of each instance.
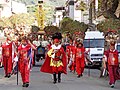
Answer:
(1, 57)
(7, 56)
(70, 56)
(55, 62)
(33, 56)
(111, 58)
(80, 58)
(24, 60)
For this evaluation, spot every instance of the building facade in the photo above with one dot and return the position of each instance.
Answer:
(76, 13)
(8, 7)
(58, 15)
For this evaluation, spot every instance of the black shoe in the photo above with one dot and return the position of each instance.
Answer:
(6, 76)
(24, 85)
(9, 75)
(54, 82)
(54, 78)
(112, 85)
(27, 84)
(59, 77)
(59, 80)
(78, 76)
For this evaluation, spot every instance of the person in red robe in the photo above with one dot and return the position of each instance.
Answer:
(1, 57)
(111, 58)
(70, 56)
(80, 58)
(55, 62)
(24, 60)
(7, 57)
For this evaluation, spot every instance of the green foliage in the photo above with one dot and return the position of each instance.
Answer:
(35, 29)
(49, 30)
(113, 24)
(65, 24)
(69, 25)
(17, 19)
(48, 6)
(82, 6)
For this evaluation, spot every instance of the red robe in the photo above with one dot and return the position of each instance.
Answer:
(48, 47)
(80, 60)
(49, 69)
(70, 53)
(112, 61)
(24, 63)
(1, 57)
(7, 57)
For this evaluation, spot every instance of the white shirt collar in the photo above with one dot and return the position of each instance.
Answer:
(112, 50)
(56, 47)
(23, 46)
(7, 43)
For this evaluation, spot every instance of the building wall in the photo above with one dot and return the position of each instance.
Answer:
(72, 12)
(12, 6)
(58, 16)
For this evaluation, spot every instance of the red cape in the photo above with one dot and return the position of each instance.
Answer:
(48, 69)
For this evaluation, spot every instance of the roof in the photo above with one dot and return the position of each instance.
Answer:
(93, 35)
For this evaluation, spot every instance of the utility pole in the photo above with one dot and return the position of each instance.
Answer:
(11, 7)
(90, 13)
(91, 25)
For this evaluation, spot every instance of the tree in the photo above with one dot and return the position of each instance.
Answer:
(17, 19)
(112, 24)
(108, 8)
(65, 24)
(69, 25)
(49, 30)
(81, 6)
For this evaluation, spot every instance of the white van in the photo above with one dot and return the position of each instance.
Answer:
(117, 46)
(94, 43)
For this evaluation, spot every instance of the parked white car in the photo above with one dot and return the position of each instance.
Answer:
(117, 46)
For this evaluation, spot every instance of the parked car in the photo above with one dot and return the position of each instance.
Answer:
(94, 43)
(117, 46)
(40, 53)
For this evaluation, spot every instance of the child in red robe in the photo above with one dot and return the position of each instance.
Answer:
(24, 60)
(7, 57)
(1, 57)
(70, 56)
(80, 58)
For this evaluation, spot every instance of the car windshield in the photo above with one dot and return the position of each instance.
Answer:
(93, 43)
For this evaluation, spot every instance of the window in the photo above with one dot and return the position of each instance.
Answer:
(93, 43)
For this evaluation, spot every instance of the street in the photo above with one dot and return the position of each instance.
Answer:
(43, 81)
